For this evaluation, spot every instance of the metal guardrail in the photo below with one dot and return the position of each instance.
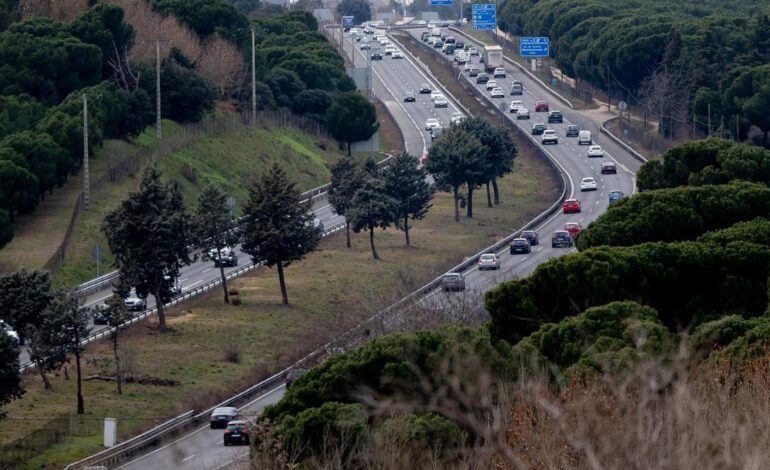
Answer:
(628, 148)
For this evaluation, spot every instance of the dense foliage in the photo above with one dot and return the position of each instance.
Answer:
(206, 17)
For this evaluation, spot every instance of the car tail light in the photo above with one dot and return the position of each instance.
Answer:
(227, 431)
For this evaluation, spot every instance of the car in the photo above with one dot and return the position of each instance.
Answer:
(473, 51)
(176, 285)
(434, 94)
(474, 72)
(541, 106)
(293, 375)
(532, 237)
(424, 36)
(8, 330)
(538, 128)
(523, 113)
(420, 22)
(448, 49)
(549, 137)
(227, 257)
(457, 117)
(584, 138)
(573, 228)
(461, 57)
(450, 40)
(435, 132)
(221, 416)
(555, 117)
(595, 151)
(499, 73)
(134, 302)
(236, 432)
(366, 46)
(409, 97)
(497, 92)
(482, 78)
(561, 239)
(572, 131)
(517, 88)
(318, 224)
(424, 158)
(492, 84)
(467, 67)
(588, 184)
(368, 30)
(390, 49)
(376, 55)
(609, 168)
(397, 54)
(424, 88)
(99, 313)
(440, 102)
(520, 245)
(453, 282)
(438, 43)
(616, 196)
(488, 261)
(431, 123)
(571, 206)
(515, 105)
(459, 44)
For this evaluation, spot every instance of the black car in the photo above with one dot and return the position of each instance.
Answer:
(449, 49)
(450, 40)
(555, 116)
(482, 78)
(226, 259)
(573, 130)
(409, 97)
(376, 55)
(438, 44)
(222, 415)
(100, 315)
(532, 237)
(424, 88)
(538, 128)
(424, 36)
(459, 45)
(237, 432)
(520, 245)
(561, 239)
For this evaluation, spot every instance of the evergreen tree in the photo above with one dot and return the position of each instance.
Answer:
(371, 208)
(10, 378)
(500, 152)
(24, 295)
(278, 229)
(405, 181)
(351, 118)
(117, 314)
(73, 319)
(345, 182)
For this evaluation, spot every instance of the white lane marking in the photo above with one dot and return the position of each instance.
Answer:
(207, 270)
(98, 300)
(193, 283)
(184, 279)
(188, 458)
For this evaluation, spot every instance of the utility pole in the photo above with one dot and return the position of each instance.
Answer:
(157, 88)
(709, 121)
(352, 53)
(86, 179)
(253, 78)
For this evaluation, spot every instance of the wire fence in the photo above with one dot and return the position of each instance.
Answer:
(33, 443)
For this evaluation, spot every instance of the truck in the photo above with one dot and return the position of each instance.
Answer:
(492, 57)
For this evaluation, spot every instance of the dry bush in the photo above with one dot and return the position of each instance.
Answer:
(235, 301)
(233, 291)
(233, 346)
(59, 10)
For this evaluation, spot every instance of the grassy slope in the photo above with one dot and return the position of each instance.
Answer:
(328, 289)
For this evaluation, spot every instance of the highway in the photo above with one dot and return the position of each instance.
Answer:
(203, 448)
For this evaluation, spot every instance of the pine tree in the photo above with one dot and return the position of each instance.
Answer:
(405, 181)
(500, 152)
(372, 208)
(345, 182)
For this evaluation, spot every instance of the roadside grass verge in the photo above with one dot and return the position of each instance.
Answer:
(329, 291)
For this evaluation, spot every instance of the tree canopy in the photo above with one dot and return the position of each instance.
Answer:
(351, 118)
(360, 10)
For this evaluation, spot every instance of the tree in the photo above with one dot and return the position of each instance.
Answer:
(351, 118)
(19, 112)
(6, 229)
(10, 378)
(116, 314)
(453, 159)
(185, 98)
(345, 182)
(370, 208)
(149, 235)
(406, 183)
(285, 84)
(18, 188)
(500, 151)
(278, 229)
(360, 10)
(756, 110)
(23, 296)
(213, 227)
(73, 322)
(47, 345)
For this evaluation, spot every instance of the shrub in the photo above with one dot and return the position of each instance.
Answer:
(233, 291)
(235, 301)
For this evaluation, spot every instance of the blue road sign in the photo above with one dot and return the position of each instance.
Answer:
(347, 21)
(484, 16)
(441, 2)
(534, 47)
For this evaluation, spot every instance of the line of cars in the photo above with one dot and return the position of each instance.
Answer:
(237, 430)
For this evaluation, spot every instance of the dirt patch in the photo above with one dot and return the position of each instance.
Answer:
(391, 140)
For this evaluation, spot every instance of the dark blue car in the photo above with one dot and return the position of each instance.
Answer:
(615, 196)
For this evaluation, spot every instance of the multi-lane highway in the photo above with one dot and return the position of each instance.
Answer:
(203, 448)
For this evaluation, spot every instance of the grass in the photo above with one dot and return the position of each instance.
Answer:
(328, 290)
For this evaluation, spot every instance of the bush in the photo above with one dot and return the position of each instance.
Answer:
(336, 425)
(754, 231)
(233, 291)
(235, 301)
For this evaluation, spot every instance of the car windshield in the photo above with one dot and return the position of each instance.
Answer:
(519, 241)
(527, 234)
(487, 257)
(236, 426)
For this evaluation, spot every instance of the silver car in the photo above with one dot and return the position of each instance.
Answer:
(134, 302)
(488, 261)
(453, 282)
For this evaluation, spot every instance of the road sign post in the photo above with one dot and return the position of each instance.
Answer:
(534, 47)
(484, 16)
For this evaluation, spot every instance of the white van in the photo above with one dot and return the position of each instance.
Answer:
(436, 32)
(584, 138)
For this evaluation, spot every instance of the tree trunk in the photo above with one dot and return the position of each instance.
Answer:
(347, 232)
(496, 190)
(282, 281)
(457, 203)
(406, 228)
(118, 376)
(489, 196)
(469, 208)
(349, 154)
(371, 242)
(81, 406)
(46, 382)
(224, 281)
(161, 312)
(764, 139)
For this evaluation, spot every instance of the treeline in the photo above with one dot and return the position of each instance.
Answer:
(674, 58)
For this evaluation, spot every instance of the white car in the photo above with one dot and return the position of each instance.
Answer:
(468, 66)
(457, 117)
(434, 94)
(522, 113)
(431, 123)
(488, 261)
(492, 84)
(473, 51)
(440, 102)
(134, 302)
(549, 137)
(595, 151)
(389, 49)
(498, 93)
(515, 105)
(588, 184)
(397, 54)
(6, 329)
(499, 73)
(421, 22)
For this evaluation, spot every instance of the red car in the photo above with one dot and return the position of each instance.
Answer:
(573, 228)
(571, 205)
(609, 168)
(541, 106)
